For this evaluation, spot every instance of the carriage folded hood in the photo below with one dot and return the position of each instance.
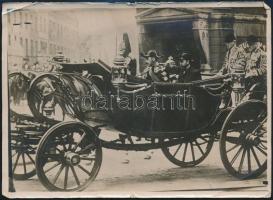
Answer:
(97, 68)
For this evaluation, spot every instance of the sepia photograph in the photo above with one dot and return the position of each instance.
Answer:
(136, 100)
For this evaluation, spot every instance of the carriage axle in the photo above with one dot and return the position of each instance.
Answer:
(144, 146)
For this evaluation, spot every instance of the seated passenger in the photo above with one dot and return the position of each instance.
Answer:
(189, 69)
(154, 70)
(172, 70)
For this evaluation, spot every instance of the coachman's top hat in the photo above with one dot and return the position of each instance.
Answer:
(152, 53)
(251, 39)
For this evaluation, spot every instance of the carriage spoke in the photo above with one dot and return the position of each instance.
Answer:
(249, 160)
(74, 149)
(52, 167)
(203, 138)
(255, 156)
(70, 144)
(65, 149)
(235, 146)
(14, 154)
(75, 175)
(58, 174)
(262, 151)
(31, 158)
(192, 151)
(16, 162)
(66, 176)
(24, 163)
(236, 155)
(84, 158)
(85, 148)
(177, 150)
(83, 169)
(233, 140)
(198, 145)
(242, 161)
(184, 155)
(55, 157)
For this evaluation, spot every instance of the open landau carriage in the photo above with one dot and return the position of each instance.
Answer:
(61, 141)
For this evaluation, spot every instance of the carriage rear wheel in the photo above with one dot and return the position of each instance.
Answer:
(191, 152)
(243, 142)
(23, 164)
(69, 157)
(48, 100)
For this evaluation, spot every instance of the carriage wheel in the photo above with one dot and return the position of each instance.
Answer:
(192, 152)
(47, 100)
(243, 143)
(23, 164)
(69, 157)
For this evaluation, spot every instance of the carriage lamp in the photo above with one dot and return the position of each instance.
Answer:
(238, 86)
(119, 70)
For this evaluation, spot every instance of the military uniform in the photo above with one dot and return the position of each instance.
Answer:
(255, 63)
(233, 56)
(255, 70)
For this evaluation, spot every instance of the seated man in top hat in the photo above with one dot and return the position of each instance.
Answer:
(154, 70)
(189, 71)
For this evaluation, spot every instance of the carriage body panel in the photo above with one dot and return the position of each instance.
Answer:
(165, 110)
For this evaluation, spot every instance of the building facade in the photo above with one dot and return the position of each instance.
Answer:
(200, 31)
(37, 36)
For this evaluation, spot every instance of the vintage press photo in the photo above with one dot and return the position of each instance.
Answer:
(134, 100)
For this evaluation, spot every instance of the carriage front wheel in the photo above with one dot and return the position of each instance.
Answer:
(243, 142)
(69, 157)
(191, 151)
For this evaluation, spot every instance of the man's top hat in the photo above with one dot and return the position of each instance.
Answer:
(152, 53)
(187, 56)
(230, 38)
(251, 39)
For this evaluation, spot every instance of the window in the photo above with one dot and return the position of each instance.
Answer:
(31, 47)
(21, 41)
(41, 46)
(9, 40)
(31, 27)
(9, 18)
(15, 38)
(21, 20)
(41, 24)
(15, 14)
(35, 23)
(26, 43)
(45, 24)
(26, 18)
(36, 47)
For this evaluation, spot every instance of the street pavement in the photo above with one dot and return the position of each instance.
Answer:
(159, 176)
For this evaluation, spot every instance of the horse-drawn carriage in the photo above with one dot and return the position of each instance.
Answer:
(70, 111)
